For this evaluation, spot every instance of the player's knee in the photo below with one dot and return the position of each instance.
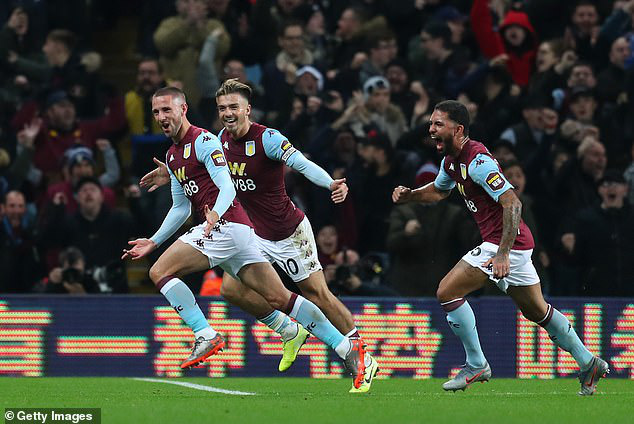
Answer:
(532, 315)
(228, 291)
(316, 295)
(443, 294)
(156, 273)
(277, 301)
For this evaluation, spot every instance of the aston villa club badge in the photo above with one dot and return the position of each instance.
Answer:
(463, 171)
(187, 151)
(249, 148)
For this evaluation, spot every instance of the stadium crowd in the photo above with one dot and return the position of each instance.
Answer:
(351, 83)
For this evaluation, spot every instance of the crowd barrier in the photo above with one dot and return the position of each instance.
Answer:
(143, 336)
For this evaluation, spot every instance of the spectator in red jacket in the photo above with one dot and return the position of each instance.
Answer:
(515, 38)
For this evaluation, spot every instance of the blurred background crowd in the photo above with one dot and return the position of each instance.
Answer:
(549, 86)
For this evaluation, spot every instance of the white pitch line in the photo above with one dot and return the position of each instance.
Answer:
(197, 386)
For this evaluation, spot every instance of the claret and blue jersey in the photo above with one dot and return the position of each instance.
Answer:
(480, 182)
(199, 176)
(256, 162)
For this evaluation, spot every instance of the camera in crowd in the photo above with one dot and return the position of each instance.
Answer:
(107, 276)
(96, 279)
(369, 268)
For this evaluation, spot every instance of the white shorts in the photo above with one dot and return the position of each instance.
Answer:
(522, 272)
(231, 246)
(297, 254)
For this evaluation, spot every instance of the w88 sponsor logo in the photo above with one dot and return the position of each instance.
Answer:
(243, 184)
(190, 188)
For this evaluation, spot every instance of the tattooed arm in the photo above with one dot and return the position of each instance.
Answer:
(510, 224)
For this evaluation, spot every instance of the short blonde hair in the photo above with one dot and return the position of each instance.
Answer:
(175, 92)
(232, 86)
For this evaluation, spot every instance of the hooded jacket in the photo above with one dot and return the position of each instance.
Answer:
(522, 59)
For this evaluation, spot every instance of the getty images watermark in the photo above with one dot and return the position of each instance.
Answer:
(52, 415)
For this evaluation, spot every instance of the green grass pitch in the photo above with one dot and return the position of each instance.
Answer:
(304, 401)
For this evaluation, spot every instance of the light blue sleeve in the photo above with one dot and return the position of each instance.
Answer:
(209, 152)
(177, 215)
(443, 181)
(277, 147)
(484, 171)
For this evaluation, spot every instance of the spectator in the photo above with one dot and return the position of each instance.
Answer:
(60, 129)
(445, 69)
(576, 181)
(280, 73)
(96, 230)
(350, 33)
(374, 108)
(601, 241)
(528, 133)
(611, 81)
(582, 33)
(397, 74)
(310, 108)
(551, 64)
(382, 48)
(582, 75)
(353, 276)
(64, 70)
(179, 40)
(16, 40)
(268, 19)
(503, 150)
(20, 265)
(497, 106)
(79, 163)
(516, 38)
(456, 22)
(426, 240)
(71, 276)
(581, 122)
(146, 137)
(317, 37)
(372, 198)
(327, 245)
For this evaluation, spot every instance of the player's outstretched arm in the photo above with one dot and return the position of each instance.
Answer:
(157, 177)
(429, 193)
(277, 147)
(176, 216)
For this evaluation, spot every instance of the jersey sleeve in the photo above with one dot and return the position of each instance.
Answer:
(443, 181)
(176, 216)
(276, 146)
(209, 151)
(485, 172)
